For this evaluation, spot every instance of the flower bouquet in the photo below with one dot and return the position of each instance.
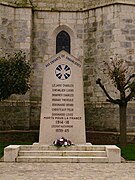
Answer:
(62, 142)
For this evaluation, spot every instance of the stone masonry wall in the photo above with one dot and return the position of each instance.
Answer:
(15, 34)
(108, 30)
(14, 115)
(6, 28)
(96, 33)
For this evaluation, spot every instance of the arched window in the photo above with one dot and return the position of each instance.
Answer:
(63, 42)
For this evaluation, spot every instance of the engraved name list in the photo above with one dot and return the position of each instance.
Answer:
(62, 109)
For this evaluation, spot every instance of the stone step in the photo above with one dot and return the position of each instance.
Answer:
(37, 153)
(58, 159)
(70, 148)
(63, 153)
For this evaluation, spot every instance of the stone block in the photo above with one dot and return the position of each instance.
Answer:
(130, 38)
(113, 153)
(46, 21)
(131, 111)
(11, 153)
(43, 15)
(126, 44)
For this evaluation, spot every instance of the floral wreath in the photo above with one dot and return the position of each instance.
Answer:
(62, 142)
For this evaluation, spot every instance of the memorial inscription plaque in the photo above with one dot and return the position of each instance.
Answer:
(62, 108)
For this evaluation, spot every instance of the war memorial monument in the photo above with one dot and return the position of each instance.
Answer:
(62, 116)
(64, 99)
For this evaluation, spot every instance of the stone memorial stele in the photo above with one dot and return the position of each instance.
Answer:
(62, 107)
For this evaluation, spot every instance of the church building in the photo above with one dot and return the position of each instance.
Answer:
(89, 30)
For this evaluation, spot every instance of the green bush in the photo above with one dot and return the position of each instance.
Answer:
(14, 75)
(128, 152)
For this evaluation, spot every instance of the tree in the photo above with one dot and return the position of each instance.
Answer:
(123, 79)
(14, 74)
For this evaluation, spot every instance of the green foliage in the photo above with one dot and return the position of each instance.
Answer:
(14, 75)
(128, 152)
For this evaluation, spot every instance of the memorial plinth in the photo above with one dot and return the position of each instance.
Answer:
(62, 107)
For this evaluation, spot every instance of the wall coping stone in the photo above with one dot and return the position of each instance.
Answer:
(83, 7)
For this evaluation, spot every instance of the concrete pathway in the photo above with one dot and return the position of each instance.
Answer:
(67, 171)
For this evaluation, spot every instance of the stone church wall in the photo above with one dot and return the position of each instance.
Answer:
(95, 34)
(15, 34)
(108, 30)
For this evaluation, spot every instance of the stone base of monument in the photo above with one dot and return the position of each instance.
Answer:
(73, 154)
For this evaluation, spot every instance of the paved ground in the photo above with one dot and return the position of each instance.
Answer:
(67, 171)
